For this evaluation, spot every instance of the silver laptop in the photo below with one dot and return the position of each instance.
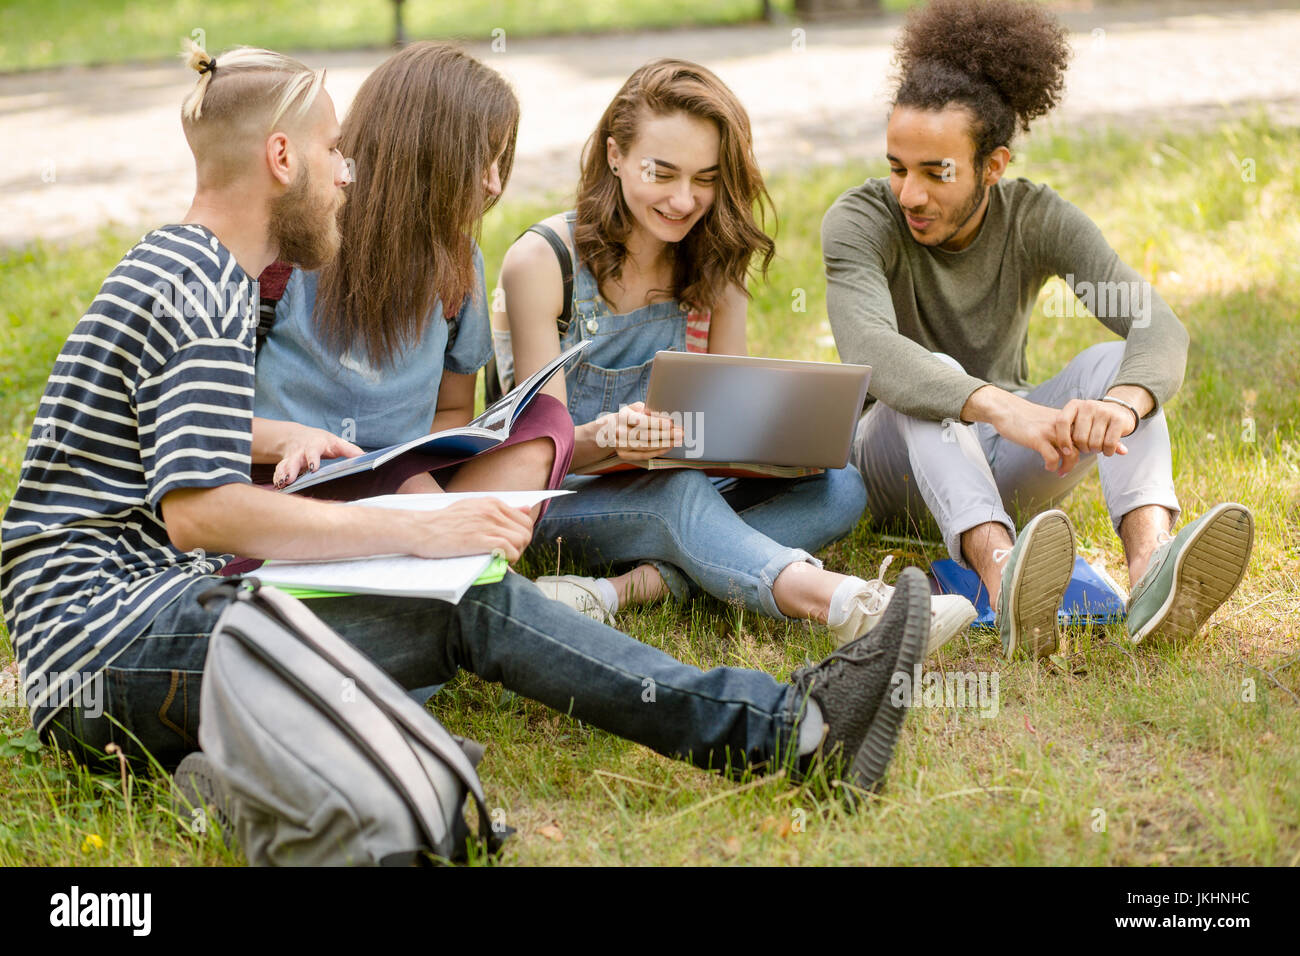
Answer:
(767, 411)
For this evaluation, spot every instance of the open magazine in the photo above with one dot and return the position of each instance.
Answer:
(487, 431)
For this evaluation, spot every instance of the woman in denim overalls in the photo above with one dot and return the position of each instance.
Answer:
(665, 209)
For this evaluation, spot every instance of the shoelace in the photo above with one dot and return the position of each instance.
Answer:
(1163, 540)
(877, 593)
(831, 667)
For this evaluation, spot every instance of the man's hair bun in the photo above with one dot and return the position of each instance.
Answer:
(1004, 60)
(197, 58)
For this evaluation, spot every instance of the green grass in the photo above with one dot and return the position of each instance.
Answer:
(43, 33)
(1157, 744)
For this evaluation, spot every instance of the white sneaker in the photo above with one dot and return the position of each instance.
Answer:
(950, 614)
(578, 593)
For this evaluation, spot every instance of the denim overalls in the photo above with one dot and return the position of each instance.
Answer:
(728, 537)
(615, 369)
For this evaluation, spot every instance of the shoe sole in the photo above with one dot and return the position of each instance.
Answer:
(1039, 584)
(877, 748)
(194, 787)
(1206, 572)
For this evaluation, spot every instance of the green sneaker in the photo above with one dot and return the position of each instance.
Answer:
(1192, 574)
(1034, 580)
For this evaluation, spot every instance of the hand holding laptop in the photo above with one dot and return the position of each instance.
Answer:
(636, 434)
(741, 416)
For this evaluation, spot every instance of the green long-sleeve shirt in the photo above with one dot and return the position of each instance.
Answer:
(893, 301)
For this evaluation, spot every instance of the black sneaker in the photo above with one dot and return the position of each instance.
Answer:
(851, 686)
(199, 795)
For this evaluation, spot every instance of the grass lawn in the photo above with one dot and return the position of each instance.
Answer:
(43, 33)
(1107, 754)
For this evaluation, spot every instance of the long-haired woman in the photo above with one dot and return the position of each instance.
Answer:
(384, 343)
(660, 246)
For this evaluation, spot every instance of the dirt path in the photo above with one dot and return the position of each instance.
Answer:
(87, 147)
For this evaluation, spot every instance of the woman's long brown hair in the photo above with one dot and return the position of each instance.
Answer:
(717, 252)
(423, 130)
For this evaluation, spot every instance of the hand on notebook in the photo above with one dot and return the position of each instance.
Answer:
(476, 526)
(636, 434)
(302, 448)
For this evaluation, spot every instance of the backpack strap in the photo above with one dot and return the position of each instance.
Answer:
(453, 326)
(271, 285)
(491, 382)
(566, 271)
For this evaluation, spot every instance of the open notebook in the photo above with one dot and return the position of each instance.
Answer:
(398, 575)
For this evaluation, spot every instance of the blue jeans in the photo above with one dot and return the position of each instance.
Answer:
(508, 633)
(727, 537)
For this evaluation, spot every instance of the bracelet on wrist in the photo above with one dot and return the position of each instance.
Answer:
(1137, 419)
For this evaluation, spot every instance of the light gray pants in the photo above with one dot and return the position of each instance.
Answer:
(966, 475)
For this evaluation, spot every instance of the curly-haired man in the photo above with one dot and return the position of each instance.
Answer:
(932, 276)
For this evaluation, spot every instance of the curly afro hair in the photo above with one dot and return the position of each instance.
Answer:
(1003, 60)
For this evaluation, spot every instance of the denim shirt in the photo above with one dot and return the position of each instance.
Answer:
(300, 380)
(615, 369)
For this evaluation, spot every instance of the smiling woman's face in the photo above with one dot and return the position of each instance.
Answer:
(669, 173)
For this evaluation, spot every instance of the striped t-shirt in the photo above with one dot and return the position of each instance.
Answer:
(152, 392)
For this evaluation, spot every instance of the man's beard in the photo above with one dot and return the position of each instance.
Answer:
(964, 215)
(305, 227)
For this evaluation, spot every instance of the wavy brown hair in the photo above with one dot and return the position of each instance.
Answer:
(717, 252)
(1002, 60)
(423, 130)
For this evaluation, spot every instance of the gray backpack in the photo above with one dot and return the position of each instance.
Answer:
(325, 759)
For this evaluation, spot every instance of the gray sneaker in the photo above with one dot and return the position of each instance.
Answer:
(199, 796)
(851, 686)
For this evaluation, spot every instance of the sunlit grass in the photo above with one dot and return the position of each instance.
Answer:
(1116, 756)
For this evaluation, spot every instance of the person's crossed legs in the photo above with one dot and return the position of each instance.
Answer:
(973, 481)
